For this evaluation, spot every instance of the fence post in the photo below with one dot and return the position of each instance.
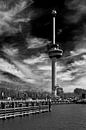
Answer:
(49, 105)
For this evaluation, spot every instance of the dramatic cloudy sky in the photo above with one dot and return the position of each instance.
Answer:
(25, 31)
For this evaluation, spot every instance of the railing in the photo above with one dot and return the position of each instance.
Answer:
(23, 107)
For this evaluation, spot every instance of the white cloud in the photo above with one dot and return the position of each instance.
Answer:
(65, 76)
(33, 60)
(59, 67)
(10, 16)
(18, 69)
(36, 42)
(74, 75)
(10, 51)
(78, 51)
(84, 57)
(4, 78)
(44, 67)
(7, 67)
(40, 74)
(79, 63)
(80, 83)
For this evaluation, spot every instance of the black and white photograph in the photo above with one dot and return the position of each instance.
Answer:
(42, 65)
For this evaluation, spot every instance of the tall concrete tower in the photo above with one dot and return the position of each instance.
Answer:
(54, 52)
(53, 59)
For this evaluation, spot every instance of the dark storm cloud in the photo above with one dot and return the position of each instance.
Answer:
(25, 32)
(13, 17)
(77, 10)
(76, 17)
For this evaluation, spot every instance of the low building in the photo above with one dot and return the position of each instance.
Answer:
(58, 91)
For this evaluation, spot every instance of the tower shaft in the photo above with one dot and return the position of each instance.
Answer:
(53, 60)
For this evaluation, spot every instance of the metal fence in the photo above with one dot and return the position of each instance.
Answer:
(23, 107)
